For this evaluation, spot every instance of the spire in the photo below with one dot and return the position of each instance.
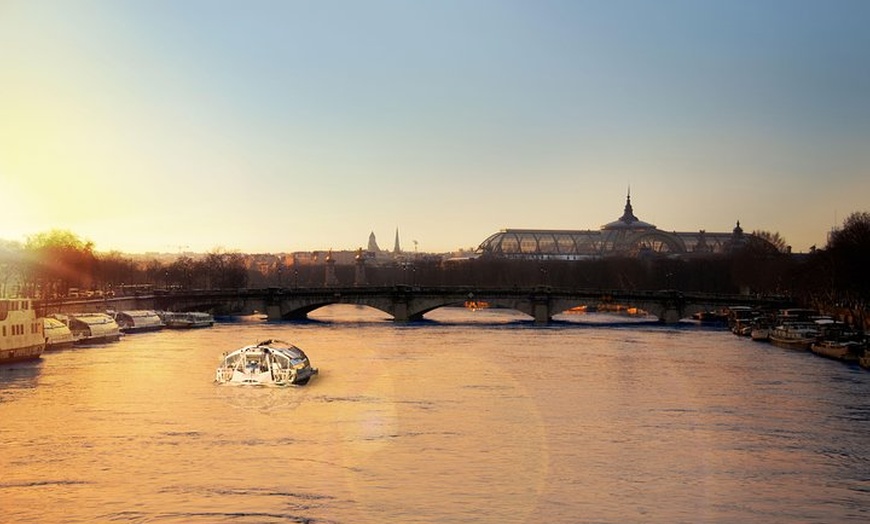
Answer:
(628, 215)
(373, 243)
(396, 248)
(628, 220)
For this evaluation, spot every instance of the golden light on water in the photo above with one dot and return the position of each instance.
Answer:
(515, 446)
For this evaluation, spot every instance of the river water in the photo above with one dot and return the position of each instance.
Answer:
(467, 417)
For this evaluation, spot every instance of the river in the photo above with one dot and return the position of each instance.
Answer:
(466, 417)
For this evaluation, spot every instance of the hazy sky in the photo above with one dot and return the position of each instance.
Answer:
(267, 126)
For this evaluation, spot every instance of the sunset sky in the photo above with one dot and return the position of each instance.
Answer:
(270, 126)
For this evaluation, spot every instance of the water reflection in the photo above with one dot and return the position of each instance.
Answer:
(20, 375)
(470, 416)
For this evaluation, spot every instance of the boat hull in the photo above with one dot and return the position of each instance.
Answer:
(58, 346)
(188, 325)
(97, 339)
(145, 329)
(797, 344)
(21, 354)
(760, 335)
(191, 320)
(836, 350)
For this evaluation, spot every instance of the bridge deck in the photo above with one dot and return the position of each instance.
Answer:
(408, 303)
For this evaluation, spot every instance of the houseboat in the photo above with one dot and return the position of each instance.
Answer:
(794, 328)
(94, 328)
(57, 333)
(21, 333)
(740, 319)
(187, 320)
(138, 321)
(760, 329)
(837, 341)
(794, 335)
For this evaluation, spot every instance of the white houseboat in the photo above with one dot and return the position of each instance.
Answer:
(794, 335)
(21, 333)
(57, 333)
(187, 320)
(138, 321)
(94, 328)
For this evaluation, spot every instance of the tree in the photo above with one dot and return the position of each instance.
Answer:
(114, 269)
(226, 270)
(773, 239)
(58, 260)
(12, 267)
(849, 249)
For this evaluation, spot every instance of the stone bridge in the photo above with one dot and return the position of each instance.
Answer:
(411, 303)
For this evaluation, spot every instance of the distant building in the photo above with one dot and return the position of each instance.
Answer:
(375, 255)
(626, 236)
(373, 243)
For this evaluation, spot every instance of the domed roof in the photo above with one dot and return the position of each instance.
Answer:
(628, 220)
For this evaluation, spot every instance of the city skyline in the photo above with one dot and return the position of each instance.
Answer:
(300, 126)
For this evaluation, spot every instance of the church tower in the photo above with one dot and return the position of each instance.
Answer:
(373, 244)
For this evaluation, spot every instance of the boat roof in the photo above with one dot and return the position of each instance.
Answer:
(139, 313)
(52, 323)
(93, 318)
(273, 346)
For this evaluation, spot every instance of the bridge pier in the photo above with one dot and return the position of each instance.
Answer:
(541, 312)
(273, 312)
(670, 316)
(400, 312)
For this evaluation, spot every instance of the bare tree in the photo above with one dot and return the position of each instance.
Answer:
(774, 239)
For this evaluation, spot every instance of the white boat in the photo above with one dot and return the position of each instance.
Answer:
(93, 328)
(187, 320)
(267, 363)
(21, 333)
(57, 334)
(760, 331)
(138, 321)
(797, 335)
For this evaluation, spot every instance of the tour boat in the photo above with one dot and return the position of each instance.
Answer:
(138, 321)
(94, 328)
(57, 333)
(267, 363)
(187, 320)
(21, 333)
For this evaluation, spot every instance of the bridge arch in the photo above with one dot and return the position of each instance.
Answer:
(405, 303)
